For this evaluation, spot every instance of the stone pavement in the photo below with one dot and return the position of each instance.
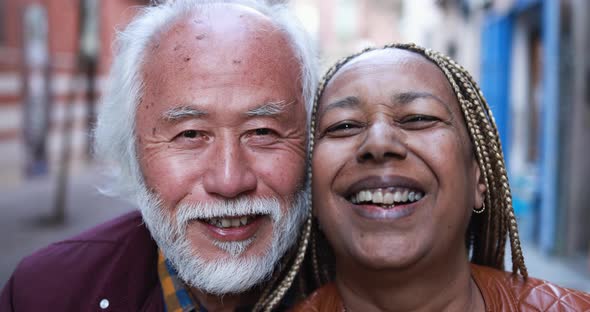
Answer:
(20, 234)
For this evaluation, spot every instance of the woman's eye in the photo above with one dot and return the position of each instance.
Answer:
(419, 118)
(343, 126)
(418, 121)
(343, 129)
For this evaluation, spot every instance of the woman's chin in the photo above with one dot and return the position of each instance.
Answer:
(380, 263)
(387, 257)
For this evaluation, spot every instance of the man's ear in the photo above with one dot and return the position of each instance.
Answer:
(480, 187)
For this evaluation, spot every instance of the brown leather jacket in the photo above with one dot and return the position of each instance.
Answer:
(501, 291)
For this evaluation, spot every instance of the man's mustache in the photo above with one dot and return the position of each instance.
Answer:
(245, 206)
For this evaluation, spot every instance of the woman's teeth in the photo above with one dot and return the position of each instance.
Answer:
(229, 222)
(385, 197)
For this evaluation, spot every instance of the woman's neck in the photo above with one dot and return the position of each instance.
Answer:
(445, 286)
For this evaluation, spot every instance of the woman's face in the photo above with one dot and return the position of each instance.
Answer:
(395, 179)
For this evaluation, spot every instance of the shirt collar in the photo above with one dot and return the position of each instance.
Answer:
(177, 296)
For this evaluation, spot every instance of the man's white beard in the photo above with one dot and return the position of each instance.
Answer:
(232, 273)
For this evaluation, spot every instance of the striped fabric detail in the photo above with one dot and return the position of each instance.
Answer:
(177, 297)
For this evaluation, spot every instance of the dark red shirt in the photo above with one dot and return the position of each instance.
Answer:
(112, 267)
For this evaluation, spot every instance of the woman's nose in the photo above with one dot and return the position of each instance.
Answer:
(383, 142)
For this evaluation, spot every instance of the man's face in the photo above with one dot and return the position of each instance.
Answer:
(222, 124)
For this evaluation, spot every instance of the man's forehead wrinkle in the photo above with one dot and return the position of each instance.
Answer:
(241, 28)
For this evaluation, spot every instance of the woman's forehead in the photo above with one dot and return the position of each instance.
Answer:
(389, 56)
(406, 70)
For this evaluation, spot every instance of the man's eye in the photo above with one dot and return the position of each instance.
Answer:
(261, 137)
(189, 134)
(263, 131)
(191, 137)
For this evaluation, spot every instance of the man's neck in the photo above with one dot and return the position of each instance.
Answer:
(442, 287)
(229, 302)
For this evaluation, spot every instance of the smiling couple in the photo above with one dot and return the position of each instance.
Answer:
(206, 120)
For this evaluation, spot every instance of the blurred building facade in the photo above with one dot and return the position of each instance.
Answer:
(341, 27)
(51, 53)
(534, 71)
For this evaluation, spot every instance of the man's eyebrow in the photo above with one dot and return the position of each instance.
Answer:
(347, 102)
(269, 109)
(183, 112)
(408, 97)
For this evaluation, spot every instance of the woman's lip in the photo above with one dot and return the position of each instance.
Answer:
(240, 233)
(378, 213)
(375, 182)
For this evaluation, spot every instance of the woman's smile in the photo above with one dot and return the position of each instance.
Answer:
(384, 198)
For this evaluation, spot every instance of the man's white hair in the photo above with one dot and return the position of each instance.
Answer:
(115, 130)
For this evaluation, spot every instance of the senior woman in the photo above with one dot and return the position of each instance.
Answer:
(411, 193)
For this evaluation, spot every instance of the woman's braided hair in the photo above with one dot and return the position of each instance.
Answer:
(278, 287)
(488, 228)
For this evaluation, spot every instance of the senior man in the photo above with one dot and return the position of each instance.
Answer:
(205, 120)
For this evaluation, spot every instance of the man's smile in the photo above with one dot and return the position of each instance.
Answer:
(231, 222)
(235, 228)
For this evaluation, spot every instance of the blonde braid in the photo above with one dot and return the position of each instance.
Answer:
(508, 220)
(284, 286)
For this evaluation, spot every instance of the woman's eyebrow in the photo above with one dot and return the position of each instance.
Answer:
(408, 97)
(347, 102)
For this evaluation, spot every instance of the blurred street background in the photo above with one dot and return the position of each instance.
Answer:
(529, 57)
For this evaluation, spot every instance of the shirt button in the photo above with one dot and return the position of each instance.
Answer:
(104, 303)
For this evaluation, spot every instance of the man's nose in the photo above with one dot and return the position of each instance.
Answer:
(382, 142)
(229, 174)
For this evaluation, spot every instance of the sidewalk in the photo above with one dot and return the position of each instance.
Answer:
(22, 207)
(568, 273)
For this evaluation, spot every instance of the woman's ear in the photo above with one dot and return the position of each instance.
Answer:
(480, 187)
